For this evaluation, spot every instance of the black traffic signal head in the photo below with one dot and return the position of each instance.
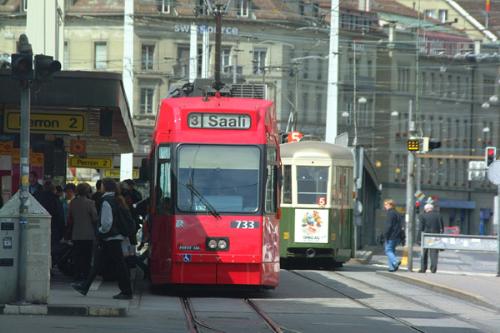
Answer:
(22, 66)
(434, 144)
(490, 155)
(45, 66)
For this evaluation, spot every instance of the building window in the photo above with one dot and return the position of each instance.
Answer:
(202, 8)
(466, 88)
(442, 89)
(147, 57)
(432, 13)
(305, 71)
(403, 79)
(319, 75)
(488, 87)
(25, 5)
(424, 83)
(147, 101)
(226, 60)
(164, 6)
(100, 55)
(66, 55)
(319, 109)
(301, 8)
(369, 68)
(181, 69)
(443, 15)
(242, 7)
(315, 9)
(305, 107)
(259, 60)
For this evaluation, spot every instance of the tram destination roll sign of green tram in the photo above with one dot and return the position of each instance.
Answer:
(219, 121)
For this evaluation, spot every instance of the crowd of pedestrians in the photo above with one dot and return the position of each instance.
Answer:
(90, 225)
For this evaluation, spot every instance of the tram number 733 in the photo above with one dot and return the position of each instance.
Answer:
(238, 224)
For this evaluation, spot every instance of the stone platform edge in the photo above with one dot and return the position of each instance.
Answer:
(64, 310)
(440, 288)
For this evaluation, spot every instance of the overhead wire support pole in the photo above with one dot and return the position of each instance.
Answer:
(23, 47)
(218, 41)
(333, 74)
(410, 190)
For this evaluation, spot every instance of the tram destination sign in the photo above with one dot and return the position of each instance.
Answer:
(219, 121)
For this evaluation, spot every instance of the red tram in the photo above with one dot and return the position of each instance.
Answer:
(214, 192)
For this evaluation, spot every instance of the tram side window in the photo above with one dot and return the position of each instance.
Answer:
(270, 203)
(164, 181)
(287, 184)
(312, 184)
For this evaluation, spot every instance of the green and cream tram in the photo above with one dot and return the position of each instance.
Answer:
(316, 203)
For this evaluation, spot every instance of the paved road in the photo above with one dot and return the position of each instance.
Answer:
(354, 299)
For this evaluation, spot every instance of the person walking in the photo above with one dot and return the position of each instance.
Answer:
(50, 201)
(82, 217)
(430, 222)
(34, 186)
(110, 244)
(97, 196)
(392, 234)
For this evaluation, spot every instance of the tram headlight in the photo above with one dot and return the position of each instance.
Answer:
(222, 244)
(212, 244)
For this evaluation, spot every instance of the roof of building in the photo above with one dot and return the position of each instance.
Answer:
(478, 11)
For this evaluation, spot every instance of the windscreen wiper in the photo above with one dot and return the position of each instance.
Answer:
(207, 204)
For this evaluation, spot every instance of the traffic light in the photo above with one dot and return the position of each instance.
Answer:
(429, 144)
(413, 144)
(45, 66)
(490, 155)
(22, 66)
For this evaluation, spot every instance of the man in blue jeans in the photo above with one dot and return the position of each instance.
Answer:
(392, 234)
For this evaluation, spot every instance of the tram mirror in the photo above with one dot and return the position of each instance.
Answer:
(145, 170)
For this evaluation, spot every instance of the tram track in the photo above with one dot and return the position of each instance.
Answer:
(197, 325)
(382, 312)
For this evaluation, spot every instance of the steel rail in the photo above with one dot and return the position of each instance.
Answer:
(193, 323)
(404, 322)
(275, 327)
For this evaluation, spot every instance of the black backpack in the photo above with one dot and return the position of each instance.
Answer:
(126, 225)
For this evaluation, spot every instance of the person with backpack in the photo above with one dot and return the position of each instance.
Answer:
(430, 222)
(111, 232)
(392, 234)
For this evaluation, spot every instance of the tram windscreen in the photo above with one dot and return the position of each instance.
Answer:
(220, 178)
(312, 184)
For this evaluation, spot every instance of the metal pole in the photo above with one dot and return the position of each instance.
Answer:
(218, 42)
(193, 53)
(333, 74)
(296, 70)
(23, 194)
(354, 95)
(496, 210)
(235, 67)
(410, 190)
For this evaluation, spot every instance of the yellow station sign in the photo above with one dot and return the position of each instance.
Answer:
(90, 162)
(46, 122)
(115, 173)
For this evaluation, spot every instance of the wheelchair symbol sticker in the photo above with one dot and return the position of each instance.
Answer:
(186, 258)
